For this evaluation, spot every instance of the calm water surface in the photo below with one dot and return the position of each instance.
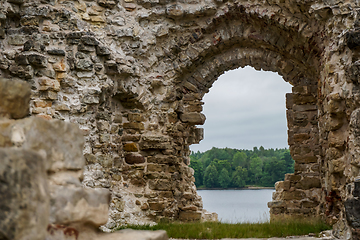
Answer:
(233, 206)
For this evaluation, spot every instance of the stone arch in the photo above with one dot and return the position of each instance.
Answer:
(228, 43)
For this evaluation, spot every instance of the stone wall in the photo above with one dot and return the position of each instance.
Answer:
(40, 177)
(132, 74)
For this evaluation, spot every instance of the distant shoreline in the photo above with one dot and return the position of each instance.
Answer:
(244, 188)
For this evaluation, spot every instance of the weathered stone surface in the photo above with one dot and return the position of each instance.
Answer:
(353, 39)
(189, 216)
(24, 193)
(144, 67)
(60, 143)
(124, 235)
(37, 60)
(309, 182)
(193, 118)
(134, 159)
(130, 147)
(15, 98)
(77, 204)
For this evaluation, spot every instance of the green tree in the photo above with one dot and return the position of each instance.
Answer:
(224, 178)
(211, 176)
(239, 177)
(239, 159)
(274, 170)
(289, 162)
(220, 164)
(255, 169)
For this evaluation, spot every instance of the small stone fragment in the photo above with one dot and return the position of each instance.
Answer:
(15, 98)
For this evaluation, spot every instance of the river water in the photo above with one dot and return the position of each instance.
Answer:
(233, 206)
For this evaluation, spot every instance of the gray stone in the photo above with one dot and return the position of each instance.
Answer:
(24, 200)
(17, 40)
(77, 204)
(58, 52)
(89, 40)
(37, 60)
(107, 3)
(84, 65)
(102, 51)
(60, 143)
(193, 118)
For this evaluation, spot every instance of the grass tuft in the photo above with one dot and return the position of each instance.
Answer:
(218, 230)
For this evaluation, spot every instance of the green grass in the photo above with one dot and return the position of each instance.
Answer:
(217, 230)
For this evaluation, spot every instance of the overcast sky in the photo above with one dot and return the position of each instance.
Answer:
(245, 108)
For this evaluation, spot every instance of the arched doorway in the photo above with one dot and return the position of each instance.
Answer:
(237, 39)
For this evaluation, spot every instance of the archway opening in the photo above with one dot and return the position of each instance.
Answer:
(245, 108)
(246, 125)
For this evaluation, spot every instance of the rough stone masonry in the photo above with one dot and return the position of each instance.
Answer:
(132, 74)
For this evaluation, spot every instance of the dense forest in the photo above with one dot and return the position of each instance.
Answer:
(232, 168)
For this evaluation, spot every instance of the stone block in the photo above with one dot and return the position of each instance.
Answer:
(21, 59)
(164, 159)
(60, 66)
(155, 168)
(46, 84)
(130, 147)
(293, 195)
(193, 118)
(300, 99)
(134, 125)
(276, 204)
(60, 143)
(24, 193)
(102, 51)
(175, 10)
(352, 39)
(20, 71)
(189, 216)
(306, 158)
(135, 117)
(78, 204)
(301, 137)
(309, 204)
(352, 210)
(155, 138)
(132, 137)
(89, 40)
(49, 95)
(161, 184)
(156, 206)
(154, 142)
(84, 65)
(55, 51)
(337, 165)
(154, 145)
(105, 160)
(17, 40)
(37, 60)
(15, 98)
(134, 159)
(309, 182)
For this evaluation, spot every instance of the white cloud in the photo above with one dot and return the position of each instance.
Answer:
(245, 108)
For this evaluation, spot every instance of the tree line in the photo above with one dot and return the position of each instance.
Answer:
(233, 168)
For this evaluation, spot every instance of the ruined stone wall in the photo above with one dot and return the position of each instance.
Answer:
(132, 75)
(42, 165)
